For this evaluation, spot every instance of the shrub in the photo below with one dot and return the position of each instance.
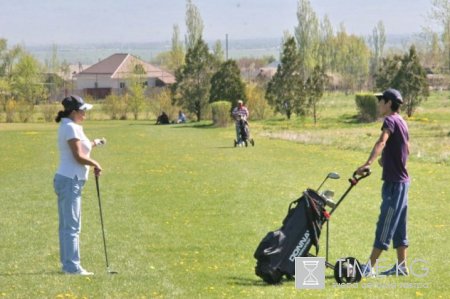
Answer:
(10, 109)
(50, 110)
(115, 107)
(25, 110)
(257, 104)
(221, 113)
(367, 105)
(162, 101)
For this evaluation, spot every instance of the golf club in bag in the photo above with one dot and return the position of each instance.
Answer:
(300, 230)
(103, 229)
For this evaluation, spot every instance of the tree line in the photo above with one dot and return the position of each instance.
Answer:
(313, 59)
(310, 62)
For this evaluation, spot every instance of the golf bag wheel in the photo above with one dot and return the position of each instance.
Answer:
(347, 271)
(252, 142)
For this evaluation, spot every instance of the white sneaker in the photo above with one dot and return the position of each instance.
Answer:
(367, 271)
(81, 272)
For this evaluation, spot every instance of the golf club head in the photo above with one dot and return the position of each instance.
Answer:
(328, 194)
(333, 175)
(112, 272)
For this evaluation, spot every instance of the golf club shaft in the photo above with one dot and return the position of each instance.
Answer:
(101, 220)
(321, 184)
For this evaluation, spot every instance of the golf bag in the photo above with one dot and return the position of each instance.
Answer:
(244, 133)
(300, 230)
(243, 129)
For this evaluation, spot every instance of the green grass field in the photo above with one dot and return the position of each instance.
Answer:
(184, 210)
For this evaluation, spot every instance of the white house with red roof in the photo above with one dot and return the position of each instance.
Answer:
(111, 75)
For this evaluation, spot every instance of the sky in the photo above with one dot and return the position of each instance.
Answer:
(41, 22)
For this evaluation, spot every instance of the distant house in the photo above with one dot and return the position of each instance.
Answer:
(268, 71)
(110, 75)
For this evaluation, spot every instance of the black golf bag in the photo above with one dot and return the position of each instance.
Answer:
(300, 230)
(244, 133)
(243, 129)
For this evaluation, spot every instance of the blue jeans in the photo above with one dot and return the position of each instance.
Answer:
(392, 223)
(69, 211)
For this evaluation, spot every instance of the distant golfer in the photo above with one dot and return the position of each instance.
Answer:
(393, 145)
(74, 150)
(239, 112)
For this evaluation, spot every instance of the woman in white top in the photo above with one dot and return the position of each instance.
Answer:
(72, 173)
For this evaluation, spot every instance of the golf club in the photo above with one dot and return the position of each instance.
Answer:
(103, 229)
(328, 196)
(331, 175)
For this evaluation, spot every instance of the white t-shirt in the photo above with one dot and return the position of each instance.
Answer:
(68, 166)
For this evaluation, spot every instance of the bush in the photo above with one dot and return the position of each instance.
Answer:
(221, 113)
(50, 110)
(256, 102)
(10, 109)
(25, 110)
(162, 101)
(367, 105)
(115, 107)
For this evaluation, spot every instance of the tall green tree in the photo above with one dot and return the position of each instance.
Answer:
(412, 81)
(194, 24)
(307, 34)
(177, 50)
(285, 90)
(5, 92)
(193, 80)
(174, 58)
(387, 71)
(377, 42)
(352, 60)
(408, 76)
(218, 52)
(53, 82)
(227, 84)
(326, 49)
(440, 14)
(27, 79)
(27, 85)
(137, 83)
(8, 58)
(315, 86)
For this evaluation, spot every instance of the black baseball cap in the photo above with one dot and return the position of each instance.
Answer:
(75, 102)
(390, 94)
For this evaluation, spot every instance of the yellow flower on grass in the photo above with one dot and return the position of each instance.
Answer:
(418, 294)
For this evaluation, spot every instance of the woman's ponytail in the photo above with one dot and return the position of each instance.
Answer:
(62, 114)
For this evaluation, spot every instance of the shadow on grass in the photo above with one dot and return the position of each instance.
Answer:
(240, 281)
(259, 282)
(200, 125)
(142, 124)
(31, 273)
(349, 119)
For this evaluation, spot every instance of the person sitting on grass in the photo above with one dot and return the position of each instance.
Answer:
(181, 117)
(163, 119)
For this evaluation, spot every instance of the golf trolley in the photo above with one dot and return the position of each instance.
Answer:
(244, 133)
(300, 230)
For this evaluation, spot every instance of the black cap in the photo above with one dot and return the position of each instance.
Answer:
(75, 102)
(391, 94)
